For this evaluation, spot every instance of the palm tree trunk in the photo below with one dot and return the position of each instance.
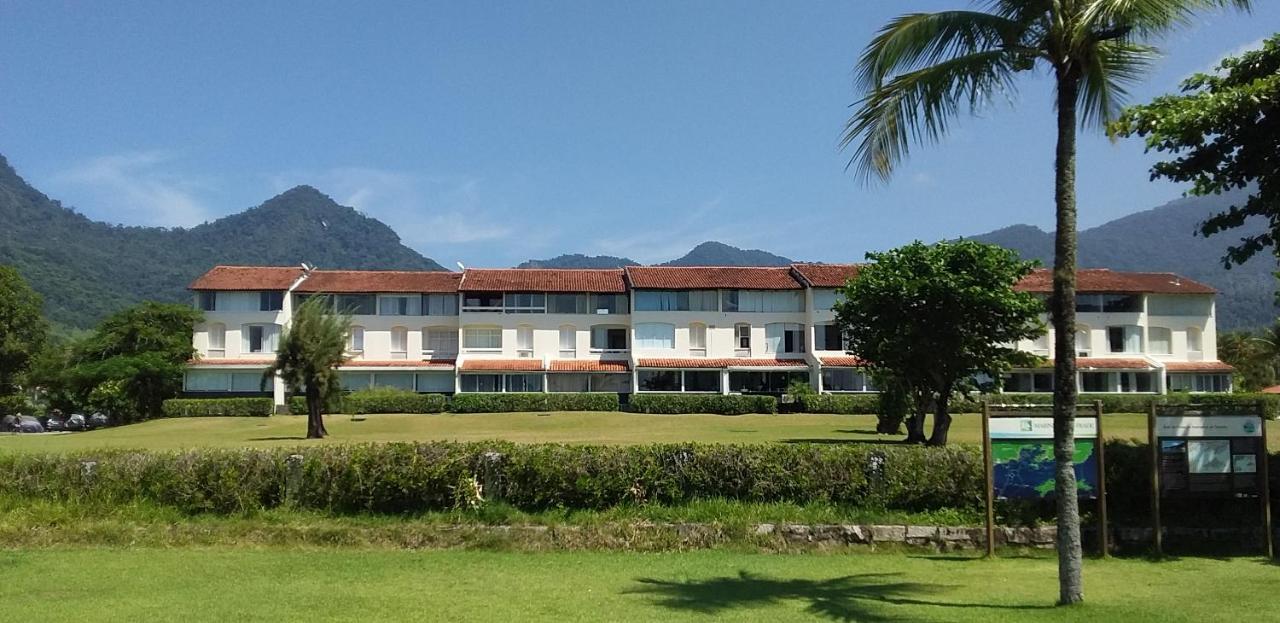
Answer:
(1063, 311)
(315, 421)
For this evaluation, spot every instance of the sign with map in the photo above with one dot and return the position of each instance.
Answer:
(1209, 455)
(1022, 457)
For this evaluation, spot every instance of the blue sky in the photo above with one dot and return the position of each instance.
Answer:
(496, 132)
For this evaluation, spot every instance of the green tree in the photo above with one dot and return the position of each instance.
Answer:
(23, 329)
(311, 349)
(1255, 356)
(141, 351)
(1224, 131)
(924, 69)
(936, 316)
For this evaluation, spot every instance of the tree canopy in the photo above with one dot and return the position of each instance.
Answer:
(311, 348)
(937, 316)
(1223, 133)
(23, 330)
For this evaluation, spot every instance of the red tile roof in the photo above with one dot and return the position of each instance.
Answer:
(1105, 363)
(543, 280)
(1274, 389)
(1105, 280)
(725, 362)
(398, 363)
(1198, 366)
(501, 365)
(711, 277)
(842, 361)
(588, 365)
(826, 275)
(338, 281)
(247, 278)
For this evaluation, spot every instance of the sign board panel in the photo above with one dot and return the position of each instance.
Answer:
(1209, 455)
(1022, 457)
(1210, 426)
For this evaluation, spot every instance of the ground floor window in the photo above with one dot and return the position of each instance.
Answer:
(1028, 382)
(846, 380)
(1112, 382)
(584, 382)
(220, 381)
(501, 382)
(679, 380)
(764, 382)
(1184, 382)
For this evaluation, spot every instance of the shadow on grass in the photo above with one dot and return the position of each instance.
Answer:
(867, 597)
(280, 438)
(837, 441)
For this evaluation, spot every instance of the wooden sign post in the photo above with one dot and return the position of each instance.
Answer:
(1157, 531)
(1265, 473)
(989, 476)
(1104, 536)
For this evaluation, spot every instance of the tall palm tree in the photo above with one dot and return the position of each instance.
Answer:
(922, 70)
(311, 349)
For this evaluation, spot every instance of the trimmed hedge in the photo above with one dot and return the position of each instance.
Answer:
(703, 403)
(378, 400)
(516, 401)
(844, 404)
(217, 407)
(865, 404)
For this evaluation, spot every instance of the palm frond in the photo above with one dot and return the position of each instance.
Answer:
(918, 106)
(917, 40)
(1110, 66)
(1144, 17)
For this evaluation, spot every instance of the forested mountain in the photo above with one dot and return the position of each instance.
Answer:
(1164, 239)
(87, 269)
(719, 254)
(578, 260)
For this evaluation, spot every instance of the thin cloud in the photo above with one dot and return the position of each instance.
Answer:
(1212, 68)
(139, 188)
(673, 238)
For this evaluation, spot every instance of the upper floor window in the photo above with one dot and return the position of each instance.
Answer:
(482, 301)
(525, 303)
(439, 304)
(742, 337)
(762, 300)
(356, 304)
(1195, 340)
(482, 338)
(1040, 344)
(1108, 303)
(698, 339)
(567, 303)
(1084, 341)
(1160, 340)
(676, 300)
(440, 341)
(1179, 305)
(400, 305)
(1124, 339)
(828, 337)
(207, 301)
(655, 335)
(217, 339)
(783, 337)
(824, 299)
(524, 341)
(610, 304)
(260, 338)
(355, 339)
(568, 342)
(399, 343)
(271, 300)
(608, 338)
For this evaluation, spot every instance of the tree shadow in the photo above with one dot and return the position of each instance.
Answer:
(837, 441)
(865, 598)
(280, 438)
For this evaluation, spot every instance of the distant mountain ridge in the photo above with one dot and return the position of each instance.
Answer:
(87, 269)
(708, 253)
(578, 260)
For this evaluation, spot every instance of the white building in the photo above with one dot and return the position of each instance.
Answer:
(657, 329)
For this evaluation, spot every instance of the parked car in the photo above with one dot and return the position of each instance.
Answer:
(76, 422)
(99, 420)
(29, 424)
(8, 424)
(54, 423)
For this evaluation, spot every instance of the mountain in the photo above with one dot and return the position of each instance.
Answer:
(720, 254)
(87, 269)
(578, 260)
(1164, 239)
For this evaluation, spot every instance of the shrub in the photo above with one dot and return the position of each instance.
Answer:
(14, 404)
(206, 407)
(703, 403)
(391, 400)
(844, 404)
(509, 402)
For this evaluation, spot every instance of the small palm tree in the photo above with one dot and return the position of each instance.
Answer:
(311, 348)
(923, 69)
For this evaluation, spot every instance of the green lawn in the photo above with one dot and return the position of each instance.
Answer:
(228, 584)
(563, 427)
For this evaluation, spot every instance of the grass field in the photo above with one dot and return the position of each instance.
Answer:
(228, 584)
(561, 427)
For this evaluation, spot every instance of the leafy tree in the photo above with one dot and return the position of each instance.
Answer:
(924, 69)
(311, 349)
(1224, 130)
(23, 330)
(936, 316)
(139, 353)
(1256, 357)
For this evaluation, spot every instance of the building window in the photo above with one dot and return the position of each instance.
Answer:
(1194, 340)
(762, 301)
(742, 339)
(271, 300)
(602, 382)
(1084, 341)
(1139, 382)
(1040, 345)
(698, 339)
(356, 304)
(610, 304)
(828, 337)
(1160, 340)
(482, 301)
(825, 299)
(434, 382)
(1124, 339)
(525, 303)
(1179, 305)
(655, 335)
(1095, 382)
(217, 340)
(524, 341)
(399, 305)
(439, 304)
(398, 380)
(783, 337)
(441, 341)
(659, 380)
(399, 343)
(1028, 382)
(568, 342)
(702, 380)
(845, 380)
(676, 300)
(482, 338)
(355, 339)
(567, 303)
(207, 301)
(1108, 303)
(764, 382)
(606, 338)
(524, 382)
(481, 382)
(576, 383)
(1199, 382)
(260, 338)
